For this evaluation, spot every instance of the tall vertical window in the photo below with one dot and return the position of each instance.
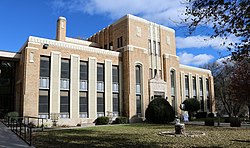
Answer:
(159, 49)
(115, 78)
(172, 79)
(44, 72)
(43, 107)
(115, 104)
(44, 103)
(207, 95)
(64, 93)
(100, 77)
(83, 97)
(64, 104)
(138, 79)
(65, 74)
(119, 42)
(83, 76)
(100, 104)
(100, 90)
(138, 90)
(201, 94)
(149, 47)
(83, 104)
(154, 47)
(186, 86)
(138, 105)
(194, 88)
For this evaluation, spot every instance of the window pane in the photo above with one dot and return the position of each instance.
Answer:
(172, 73)
(83, 102)
(154, 46)
(115, 103)
(194, 86)
(100, 72)
(83, 71)
(201, 87)
(100, 102)
(44, 67)
(43, 101)
(64, 101)
(115, 74)
(65, 68)
(159, 48)
(149, 47)
(187, 85)
(138, 104)
(138, 76)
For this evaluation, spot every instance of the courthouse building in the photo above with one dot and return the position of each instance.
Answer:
(117, 71)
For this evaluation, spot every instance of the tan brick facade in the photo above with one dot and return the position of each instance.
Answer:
(127, 43)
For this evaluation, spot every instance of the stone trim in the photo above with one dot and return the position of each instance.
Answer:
(195, 69)
(129, 16)
(7, 54)
(81, 42)
(72, 46)
(166, 56)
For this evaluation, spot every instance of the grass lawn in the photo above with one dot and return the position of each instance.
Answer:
(142, 135)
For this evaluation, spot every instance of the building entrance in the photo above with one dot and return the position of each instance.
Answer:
(159, 94)
(7, 85)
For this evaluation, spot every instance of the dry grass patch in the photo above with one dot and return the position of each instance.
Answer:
(142, 135)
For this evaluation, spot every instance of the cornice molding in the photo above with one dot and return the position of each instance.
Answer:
(195, 69)
(130, 16)
(72, 46)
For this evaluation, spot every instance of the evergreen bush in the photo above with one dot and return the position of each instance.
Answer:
(102, 121)
(201, 115)
(160, 111)
(121, 120)
(235, 122)
(210, 115)
(209, 122)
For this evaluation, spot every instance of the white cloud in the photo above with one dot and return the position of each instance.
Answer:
(190, 59)
(167, 12)
(205, 41)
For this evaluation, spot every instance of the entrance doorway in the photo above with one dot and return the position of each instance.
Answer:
(7, 85)
(158, 94)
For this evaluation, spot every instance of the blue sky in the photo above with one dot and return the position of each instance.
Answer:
(20, 19)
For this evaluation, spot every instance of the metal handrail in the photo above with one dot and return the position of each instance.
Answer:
(21, 126)
(22, 130)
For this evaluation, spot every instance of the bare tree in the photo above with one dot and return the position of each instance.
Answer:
(226, 17)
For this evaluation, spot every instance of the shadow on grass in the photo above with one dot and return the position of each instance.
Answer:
(247, 141)
(91, 138)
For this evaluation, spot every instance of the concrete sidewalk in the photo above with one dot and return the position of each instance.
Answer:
(8, 139)
(244, 125)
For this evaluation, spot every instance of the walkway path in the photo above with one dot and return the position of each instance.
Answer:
(8, 139)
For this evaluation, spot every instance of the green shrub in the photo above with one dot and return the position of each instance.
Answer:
(191, 105)
(102, 121)
(235, 122)
(227, 119)
(209, 122)
(12, 115)
(201, 115)
(210, 115)
(160, 111)
(121, 120)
